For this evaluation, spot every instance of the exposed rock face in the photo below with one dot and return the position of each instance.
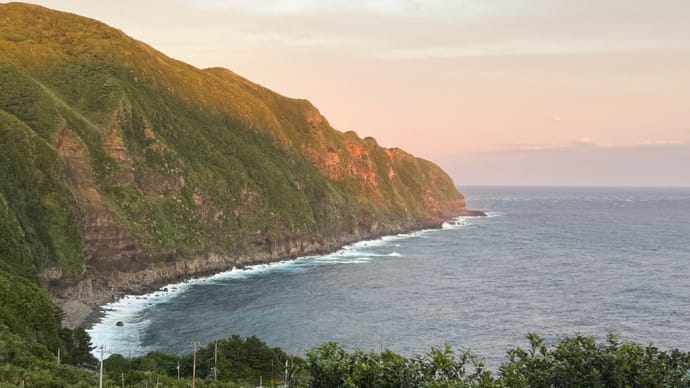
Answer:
(115, 147)
(76, 167)
(108, 246)
(174, 172)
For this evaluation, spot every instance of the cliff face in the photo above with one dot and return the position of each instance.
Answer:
(125, 168)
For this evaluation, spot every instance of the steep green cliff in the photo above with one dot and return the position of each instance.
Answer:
(123, 168)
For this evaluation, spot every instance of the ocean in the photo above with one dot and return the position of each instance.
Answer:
(554, 261)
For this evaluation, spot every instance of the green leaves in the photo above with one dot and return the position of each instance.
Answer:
(578, 361)
(26, 310)
(330, 365)
(240, 361)
(581, 361)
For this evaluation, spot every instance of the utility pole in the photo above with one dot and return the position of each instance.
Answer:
(194, 345)
(58, 357)
(286, 383)
(100, 375)
(178, 369)
(215, 362)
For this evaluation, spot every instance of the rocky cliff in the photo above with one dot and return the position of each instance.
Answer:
(123, 168)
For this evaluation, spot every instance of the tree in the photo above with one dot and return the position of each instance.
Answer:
(77, 347)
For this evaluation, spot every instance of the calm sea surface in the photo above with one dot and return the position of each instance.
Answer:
(555, 261)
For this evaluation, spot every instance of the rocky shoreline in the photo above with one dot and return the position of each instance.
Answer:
(82, 302)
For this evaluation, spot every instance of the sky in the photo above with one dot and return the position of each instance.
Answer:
(497, 92)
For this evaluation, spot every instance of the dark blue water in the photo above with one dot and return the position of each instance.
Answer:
(555, 261)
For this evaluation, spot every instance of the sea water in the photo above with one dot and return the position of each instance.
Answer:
(555, 261)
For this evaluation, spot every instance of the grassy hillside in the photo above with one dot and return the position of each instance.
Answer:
(123, 168)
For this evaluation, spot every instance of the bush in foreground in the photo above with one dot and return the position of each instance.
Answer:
(578, 361)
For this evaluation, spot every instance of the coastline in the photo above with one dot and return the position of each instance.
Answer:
(85, 306)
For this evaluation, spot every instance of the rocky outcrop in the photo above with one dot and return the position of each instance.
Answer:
(108, 246)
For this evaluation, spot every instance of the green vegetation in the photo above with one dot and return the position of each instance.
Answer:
(26, 311)
(188, 161)
(240, 362)
(29, 363)
(577, 361)
(36, 207)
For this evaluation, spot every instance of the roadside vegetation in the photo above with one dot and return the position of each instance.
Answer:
(577, 361)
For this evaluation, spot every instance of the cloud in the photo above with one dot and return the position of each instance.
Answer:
(403, 29)
(584, 141)
(435, 29)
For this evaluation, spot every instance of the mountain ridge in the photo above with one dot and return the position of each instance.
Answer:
(128, 169)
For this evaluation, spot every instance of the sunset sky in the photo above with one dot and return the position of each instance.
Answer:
(502, 92)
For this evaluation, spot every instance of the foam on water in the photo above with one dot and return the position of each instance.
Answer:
(127, 310)
(131, 310)
(456, 223)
